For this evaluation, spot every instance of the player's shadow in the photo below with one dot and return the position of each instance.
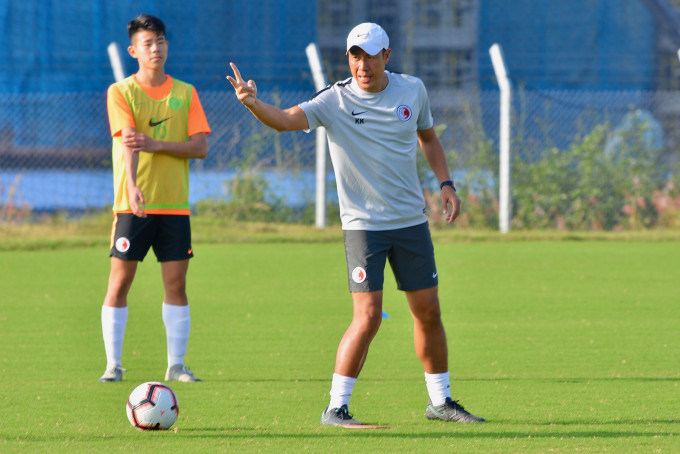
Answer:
(333, 432)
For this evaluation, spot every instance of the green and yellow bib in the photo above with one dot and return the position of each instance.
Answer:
(163, 179)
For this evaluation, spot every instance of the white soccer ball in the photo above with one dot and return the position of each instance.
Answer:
(152, 406)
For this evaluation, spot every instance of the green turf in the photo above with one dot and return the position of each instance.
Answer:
(563, 346)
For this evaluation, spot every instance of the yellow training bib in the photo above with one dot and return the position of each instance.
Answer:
(163, 179)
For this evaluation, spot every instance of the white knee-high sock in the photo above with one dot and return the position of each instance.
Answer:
(341, 390)
(177, 326)
(114, 321)
(438, 387)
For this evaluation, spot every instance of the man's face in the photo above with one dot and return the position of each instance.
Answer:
(369, 70)
(150, 49)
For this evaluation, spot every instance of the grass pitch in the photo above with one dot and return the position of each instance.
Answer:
(563, 346)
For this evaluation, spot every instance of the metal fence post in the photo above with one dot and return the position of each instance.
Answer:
(504, 201)
(312, 51)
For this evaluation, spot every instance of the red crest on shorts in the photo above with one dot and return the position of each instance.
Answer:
(358, 275)
(122, 244)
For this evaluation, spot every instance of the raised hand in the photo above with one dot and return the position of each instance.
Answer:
(246, 92)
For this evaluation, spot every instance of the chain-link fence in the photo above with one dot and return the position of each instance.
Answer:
(580, 159)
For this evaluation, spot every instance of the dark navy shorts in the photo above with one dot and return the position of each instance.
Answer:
(409, 251)
(168, 234)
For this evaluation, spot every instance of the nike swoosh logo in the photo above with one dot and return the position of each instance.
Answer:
(153, 124)
(354, 114)
(441, 414)
(434, 275)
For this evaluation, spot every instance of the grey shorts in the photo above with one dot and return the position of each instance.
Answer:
(409, 251)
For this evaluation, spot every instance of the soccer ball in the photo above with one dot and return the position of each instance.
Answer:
(152, 406)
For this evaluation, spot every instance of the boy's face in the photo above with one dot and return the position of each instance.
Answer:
(150, 49)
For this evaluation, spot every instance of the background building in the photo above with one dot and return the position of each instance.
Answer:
(434, 39)
(561, 44)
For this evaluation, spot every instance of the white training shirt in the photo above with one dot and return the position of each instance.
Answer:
(373, 143)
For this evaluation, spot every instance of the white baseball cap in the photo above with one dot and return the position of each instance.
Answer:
(370, 37)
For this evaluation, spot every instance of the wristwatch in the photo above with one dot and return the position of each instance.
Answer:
(447, 183)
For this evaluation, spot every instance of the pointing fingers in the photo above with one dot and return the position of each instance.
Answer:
(245, 91)
(235, 82)
(237, 73)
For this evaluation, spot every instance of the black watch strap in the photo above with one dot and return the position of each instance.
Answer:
(447, 183)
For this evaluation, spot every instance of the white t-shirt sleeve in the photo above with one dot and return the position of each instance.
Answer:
(425, 120)
(321, 109)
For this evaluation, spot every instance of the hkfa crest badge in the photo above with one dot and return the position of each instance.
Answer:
(358, 275)
(122, 244)
(404, 113)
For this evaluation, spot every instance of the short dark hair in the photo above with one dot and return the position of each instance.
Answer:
(146, 22)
